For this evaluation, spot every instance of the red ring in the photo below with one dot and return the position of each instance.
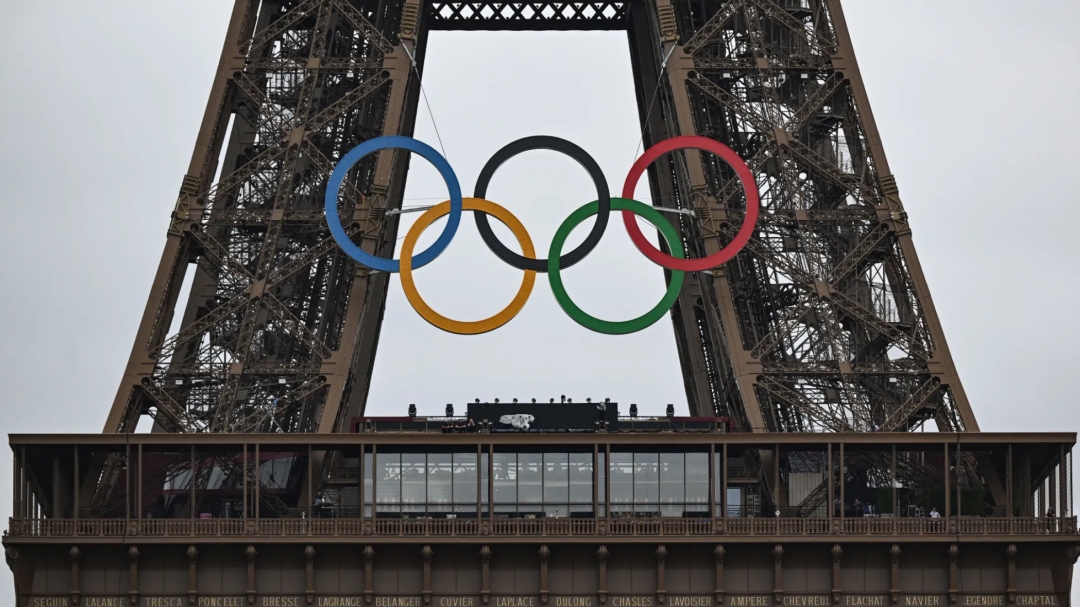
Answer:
(753, 203)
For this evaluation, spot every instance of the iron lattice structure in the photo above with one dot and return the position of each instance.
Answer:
(823, 323)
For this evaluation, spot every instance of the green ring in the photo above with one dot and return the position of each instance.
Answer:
(606, 326)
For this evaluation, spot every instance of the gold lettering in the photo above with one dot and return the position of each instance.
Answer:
(864, 601)
(922, 601)
(982, 600)
(340, 601)
(748, 601)
(1036, 599)
(573, 601)
(454, 601)
(104, 601)
(398, 601)
(632, 601)
(280, 601)
(690, 601)
(807, 601)
(513, 601)
(49, 601)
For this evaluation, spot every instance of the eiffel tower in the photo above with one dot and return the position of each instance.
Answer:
(808, 360)
(823, 323)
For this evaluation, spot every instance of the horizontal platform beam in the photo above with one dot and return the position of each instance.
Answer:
(544, 530)
(967, 440)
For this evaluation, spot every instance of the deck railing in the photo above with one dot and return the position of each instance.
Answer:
(557, 527)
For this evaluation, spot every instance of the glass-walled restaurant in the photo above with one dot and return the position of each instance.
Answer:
(535, 484)
(663, 477)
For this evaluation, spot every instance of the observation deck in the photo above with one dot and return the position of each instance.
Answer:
(632, 512)
(694, 485)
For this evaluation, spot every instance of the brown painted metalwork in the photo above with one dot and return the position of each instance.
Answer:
(823, 323)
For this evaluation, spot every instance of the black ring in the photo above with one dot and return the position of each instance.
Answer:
(543, 142)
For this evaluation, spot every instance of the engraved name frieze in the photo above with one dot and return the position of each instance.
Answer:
(50, 601)
(183, 601)
(633, 601)
(280, 601)
(981, 600)
(167, 601)
(398, 601)
(750, 601)
(456, 601)
(810, 600)
(339, 601)
(1029, 600)
(689, 601)
(103, 601)
(864, 600)
(515, 601)
(923, 601)
(580, 600)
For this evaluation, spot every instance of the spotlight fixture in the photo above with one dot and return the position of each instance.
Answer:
(671, 410)
(412, 410)
(449, 410)
(633, 410)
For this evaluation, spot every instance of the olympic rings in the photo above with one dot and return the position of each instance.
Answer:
(626, 205)
(558, 145)
(374, 145)
(753, 202)
(456, 326)
(555, 262)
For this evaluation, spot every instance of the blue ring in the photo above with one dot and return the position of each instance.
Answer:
(401, 143)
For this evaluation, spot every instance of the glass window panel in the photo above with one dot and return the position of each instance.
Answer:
(581, 478)
(484, 481)
(440, 479)
(413, 479)
(368, 464)
(697, 480)
(388, 478)
(646, 481)
(465, 478)
(672, 478)
(622, 481)
(556, 478)
(718, 482)
(734, 501)
(530, 478)
(601, 484)
(505, 481)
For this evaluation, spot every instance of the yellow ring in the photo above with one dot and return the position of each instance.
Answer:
(457, 326)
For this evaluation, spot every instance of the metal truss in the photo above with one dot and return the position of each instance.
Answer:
(278, 326)
(823, 323)
(528, 16)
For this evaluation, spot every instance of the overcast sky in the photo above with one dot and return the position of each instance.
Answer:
(975, 100)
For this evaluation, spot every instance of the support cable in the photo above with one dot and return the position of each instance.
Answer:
(652, 103)
(423, 93)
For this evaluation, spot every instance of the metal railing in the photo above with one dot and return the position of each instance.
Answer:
(559, 527)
